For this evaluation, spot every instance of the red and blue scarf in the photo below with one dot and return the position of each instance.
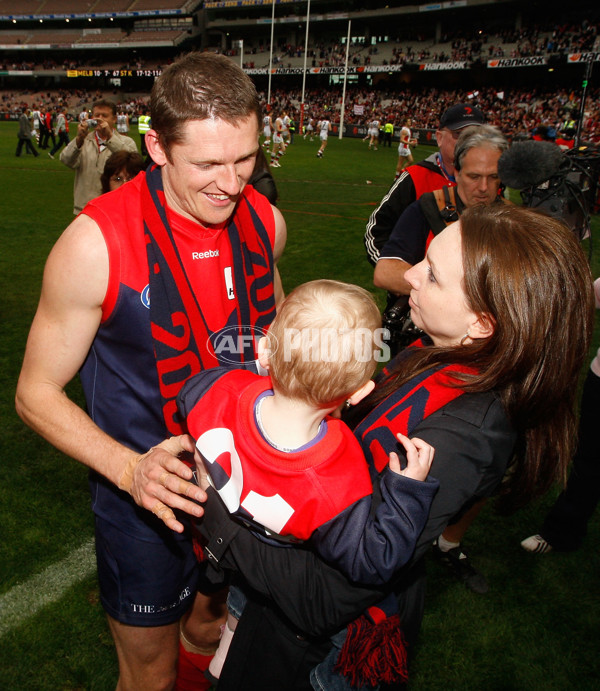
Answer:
(183, 342)
(407, 406)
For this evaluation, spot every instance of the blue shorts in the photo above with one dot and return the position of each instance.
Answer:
(144, 583)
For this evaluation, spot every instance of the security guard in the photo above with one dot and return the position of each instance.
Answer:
(388, 133)
(144, 125)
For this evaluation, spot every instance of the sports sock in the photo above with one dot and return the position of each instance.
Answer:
(190, 670)
(446, 545)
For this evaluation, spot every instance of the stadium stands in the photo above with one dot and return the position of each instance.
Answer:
(67, 7)
(21, 7)
(85, 7)
(163, 36)
(424, 50)
(157, 5)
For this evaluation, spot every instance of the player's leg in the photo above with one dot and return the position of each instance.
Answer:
(201, 630)
(399, 165)
(276, 152)
(148, 581)
(147, 656)
(201, 626)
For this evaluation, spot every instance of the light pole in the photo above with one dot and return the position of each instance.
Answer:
(304, 70)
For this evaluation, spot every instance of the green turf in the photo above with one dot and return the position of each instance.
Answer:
(537, 628)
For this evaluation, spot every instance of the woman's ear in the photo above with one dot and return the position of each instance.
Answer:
(483, 327)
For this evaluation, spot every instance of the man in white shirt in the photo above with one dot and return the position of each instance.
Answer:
(97, 139)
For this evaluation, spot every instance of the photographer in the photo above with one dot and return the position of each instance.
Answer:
(97, 139)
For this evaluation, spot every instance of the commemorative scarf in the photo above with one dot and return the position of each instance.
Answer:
(184, 343)
(407, 406)
(374, 651)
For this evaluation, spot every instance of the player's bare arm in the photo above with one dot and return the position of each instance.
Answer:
(279, 246)
(65, 324)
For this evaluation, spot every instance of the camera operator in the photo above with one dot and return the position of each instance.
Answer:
(563, 185)
(96, 140)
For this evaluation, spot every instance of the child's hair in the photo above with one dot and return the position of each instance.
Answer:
(324, 343)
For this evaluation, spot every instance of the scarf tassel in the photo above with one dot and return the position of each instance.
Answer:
(374, 651)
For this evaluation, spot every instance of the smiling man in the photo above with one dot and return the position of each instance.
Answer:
(477, 182)
(134, 292)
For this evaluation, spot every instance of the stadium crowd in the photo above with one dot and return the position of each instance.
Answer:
(517, 112)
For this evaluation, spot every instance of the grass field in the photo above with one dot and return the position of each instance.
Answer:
(537, 629)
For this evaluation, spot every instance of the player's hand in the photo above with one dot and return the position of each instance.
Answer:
(419, 457)
(159, 481)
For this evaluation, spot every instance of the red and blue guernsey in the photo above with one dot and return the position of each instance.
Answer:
(321, 491)
(174, 286)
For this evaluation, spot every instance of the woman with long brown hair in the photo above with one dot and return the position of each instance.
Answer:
(505, 298)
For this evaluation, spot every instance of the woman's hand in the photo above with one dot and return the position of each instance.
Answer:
(419, 457)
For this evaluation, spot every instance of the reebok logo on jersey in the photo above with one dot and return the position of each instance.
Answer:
(205, 255)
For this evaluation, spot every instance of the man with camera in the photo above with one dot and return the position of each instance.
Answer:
(97, 139)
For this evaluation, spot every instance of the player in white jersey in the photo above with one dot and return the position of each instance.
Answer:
(267, 129)
(278, 143)
(286, 129)
(405, 157)
(36, 116)
(122, 122)
(324, 127)
(374, 133)
(310, 129)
